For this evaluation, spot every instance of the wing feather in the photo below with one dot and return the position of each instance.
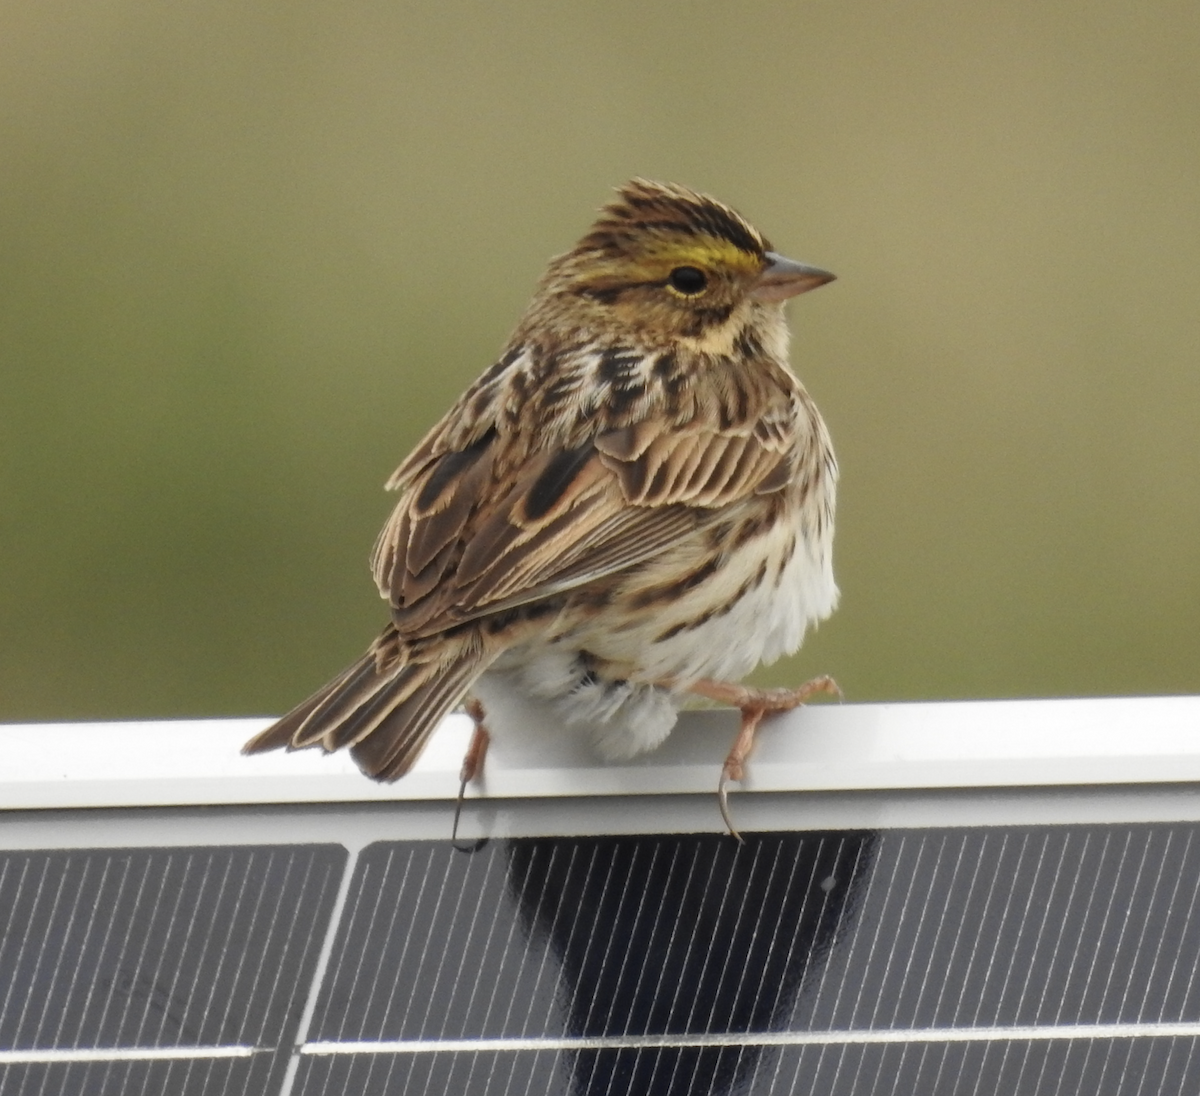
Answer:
(486, 527)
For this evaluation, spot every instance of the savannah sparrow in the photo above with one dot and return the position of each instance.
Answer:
(633, 504)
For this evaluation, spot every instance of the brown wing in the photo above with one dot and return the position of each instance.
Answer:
(483, 528)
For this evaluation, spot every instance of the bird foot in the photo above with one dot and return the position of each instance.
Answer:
(753, 703)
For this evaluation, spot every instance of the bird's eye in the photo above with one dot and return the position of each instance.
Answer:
(687, 280)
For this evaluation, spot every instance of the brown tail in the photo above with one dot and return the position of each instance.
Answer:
(384, 715)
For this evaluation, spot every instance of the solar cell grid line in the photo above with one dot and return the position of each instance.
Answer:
(544, 956)
(6, 887)
(898, 965)
(993, 883)
(511, 955)
(777, 930)
(1153, 1074)
(1041, 934)
(409, 937)
(138, 881)
(244, 885)
(126, 999)
(996, 938)
(473, 931)
(1188, 921)
(689, 947)
(40, 891)
(1089, 905)
(1195, 967)
(320, 966)
(1157, 958)
(809, 888)
(1187, 931)
(1165, 908)
(439, 921)
(196, 942)
(871, 889)
(660, 913)
(1080, 861)
(288, 930)
(744, 969)
(588, 867)
(961, 926)
(729, 895)
(437, 933)
(891, 969)
(536, 916)
(41, 1021)
(1117, 914)
(1027, 936)
(937, 946)
(107, 927)
(55, 959)
(612, 1022)
(975, 956)
(1135, 889)
(609, 940)
(730, 899)
(191, 915)
(902, 914)
(191, 942)
(1038, 854)
(1027, 1063)
(513, 939)
(1094, 959)
(584, 1023)
(1112, 1048)
(24, 939)
(858, 869)
(116, 1005)
(456, 977)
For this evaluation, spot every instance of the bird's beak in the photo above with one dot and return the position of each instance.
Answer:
(783, 278)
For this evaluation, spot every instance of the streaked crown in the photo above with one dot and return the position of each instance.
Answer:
(675, 216)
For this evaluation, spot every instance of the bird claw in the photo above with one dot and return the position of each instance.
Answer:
(723, 803)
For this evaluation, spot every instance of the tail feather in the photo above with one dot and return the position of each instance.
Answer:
(397, 741)
(385, 715)
(361, 715)
(363, 685)
(283, 733)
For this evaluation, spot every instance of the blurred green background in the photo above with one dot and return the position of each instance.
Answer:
(250, 251)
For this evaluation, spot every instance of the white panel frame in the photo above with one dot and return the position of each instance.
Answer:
(826, 748)
(826, 767)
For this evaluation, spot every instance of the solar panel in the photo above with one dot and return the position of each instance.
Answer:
(157, 970)
(952, 938)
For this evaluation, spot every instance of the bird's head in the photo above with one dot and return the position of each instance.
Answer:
(669, 264)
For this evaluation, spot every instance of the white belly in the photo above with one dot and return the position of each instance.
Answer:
(627, 717)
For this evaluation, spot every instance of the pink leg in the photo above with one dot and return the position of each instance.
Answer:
(473, 761)
(753, 704)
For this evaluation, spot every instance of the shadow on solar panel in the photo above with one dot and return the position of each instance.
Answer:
(597, 961)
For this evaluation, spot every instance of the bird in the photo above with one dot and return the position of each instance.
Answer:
(630, 508)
